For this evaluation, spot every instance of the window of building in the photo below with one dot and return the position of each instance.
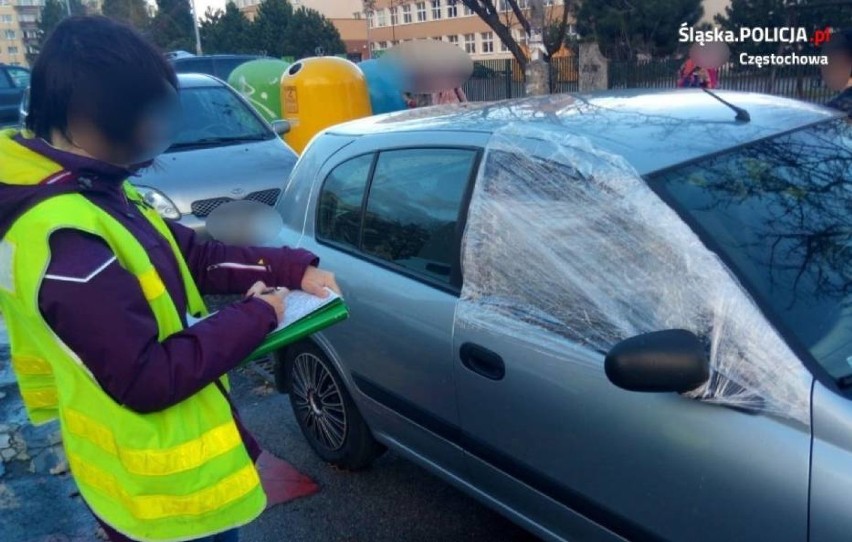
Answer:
(5, 3)
(452, 10)
(394, 12)
(28, 18)
(13, 50)
(371, 20)
(381, 19)
(413, 207)
(470, 43)
(503, 47)
(488, 42)
(467, 11)
(6, 19)
(10, 35)
(436, 9)
(383, 45)
(453, 39)
(421, 12)
(406, 14)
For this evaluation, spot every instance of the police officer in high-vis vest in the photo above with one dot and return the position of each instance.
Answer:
(95, 289)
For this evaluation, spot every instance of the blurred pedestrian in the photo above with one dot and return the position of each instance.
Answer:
(837, 74)
(95, 289)
(691, 75)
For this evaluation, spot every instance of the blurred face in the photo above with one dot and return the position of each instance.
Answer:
(152, 135)
(836, 73)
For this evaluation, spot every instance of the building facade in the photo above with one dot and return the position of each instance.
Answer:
(396, 21)
(19, 35)
(346, 15)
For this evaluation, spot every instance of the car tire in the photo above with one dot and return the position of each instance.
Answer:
(324, 409)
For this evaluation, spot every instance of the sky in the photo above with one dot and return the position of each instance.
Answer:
(202, 5)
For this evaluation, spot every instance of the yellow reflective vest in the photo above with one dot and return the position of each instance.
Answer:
(178, 474)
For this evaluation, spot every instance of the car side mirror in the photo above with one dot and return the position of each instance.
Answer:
(244, 223)
(673, 360)
(280, 127)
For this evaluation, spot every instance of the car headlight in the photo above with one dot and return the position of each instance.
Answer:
(159, 201)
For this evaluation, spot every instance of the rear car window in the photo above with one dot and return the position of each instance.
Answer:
(340, 202)
(194, 65)
(413, 209)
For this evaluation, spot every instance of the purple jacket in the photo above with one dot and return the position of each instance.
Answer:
(99, 311)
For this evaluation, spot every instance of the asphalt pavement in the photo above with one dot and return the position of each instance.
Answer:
(394, 500)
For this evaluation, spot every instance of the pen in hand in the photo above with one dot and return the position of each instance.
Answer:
(273, 296)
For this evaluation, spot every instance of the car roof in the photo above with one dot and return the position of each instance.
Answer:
(178, 59)
(640, 125)
(196, 80)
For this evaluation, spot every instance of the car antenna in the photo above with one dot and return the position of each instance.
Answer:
(742, 114)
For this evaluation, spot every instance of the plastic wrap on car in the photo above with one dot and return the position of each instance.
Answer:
(567, 247)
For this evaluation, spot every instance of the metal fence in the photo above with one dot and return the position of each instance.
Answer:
(504, 78)
(501, 79)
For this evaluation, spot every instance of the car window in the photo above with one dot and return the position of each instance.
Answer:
(340, 202)
(19, 76)
(194, 65)
(413, 209)
(224, 66)
(5, 80)
(216, 115)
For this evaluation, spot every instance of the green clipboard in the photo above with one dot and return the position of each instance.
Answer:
(334, 312)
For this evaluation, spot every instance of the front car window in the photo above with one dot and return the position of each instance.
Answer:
(569, 250)
(215, 115)
(780, 213)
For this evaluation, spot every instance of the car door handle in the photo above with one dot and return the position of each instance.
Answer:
(482, 361)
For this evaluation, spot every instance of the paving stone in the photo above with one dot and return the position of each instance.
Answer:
(45, 461)
(8, 454)
(5, 440)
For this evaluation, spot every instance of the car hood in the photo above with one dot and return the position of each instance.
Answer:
(231, 171)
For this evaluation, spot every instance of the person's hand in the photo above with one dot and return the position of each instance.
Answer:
(315, 281)
(273, 296)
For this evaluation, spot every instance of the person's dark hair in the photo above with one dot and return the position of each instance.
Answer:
(98, 69)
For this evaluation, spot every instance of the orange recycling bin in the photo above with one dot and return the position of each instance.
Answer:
(319, 92)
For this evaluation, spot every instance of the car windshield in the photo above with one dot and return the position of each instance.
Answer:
(214, 116)
(779, 213)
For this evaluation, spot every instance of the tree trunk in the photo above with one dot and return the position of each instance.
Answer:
(538, 78)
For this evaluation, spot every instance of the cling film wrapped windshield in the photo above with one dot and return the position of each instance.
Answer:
(567, 247)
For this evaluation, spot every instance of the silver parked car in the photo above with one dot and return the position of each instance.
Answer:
(224, 151)
(624, 316)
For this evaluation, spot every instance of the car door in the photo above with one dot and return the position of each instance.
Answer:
(10, 98)
(548, 436)
(388, 219)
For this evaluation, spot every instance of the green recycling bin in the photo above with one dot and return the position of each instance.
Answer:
(259, 81)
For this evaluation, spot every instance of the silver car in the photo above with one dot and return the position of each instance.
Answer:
(624, 316)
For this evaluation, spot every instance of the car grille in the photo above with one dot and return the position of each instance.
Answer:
(204, 207)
